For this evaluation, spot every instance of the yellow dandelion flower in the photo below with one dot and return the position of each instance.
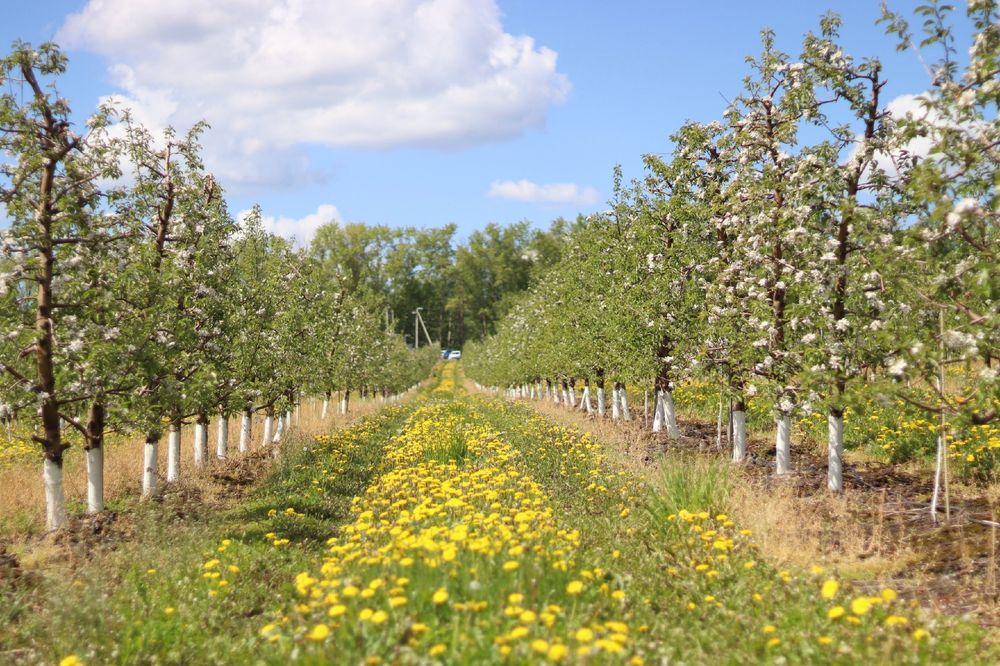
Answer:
(318, 633)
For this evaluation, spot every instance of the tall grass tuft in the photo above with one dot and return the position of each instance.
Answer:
(694, 483)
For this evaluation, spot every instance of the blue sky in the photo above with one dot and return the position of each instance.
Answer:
(298, 128)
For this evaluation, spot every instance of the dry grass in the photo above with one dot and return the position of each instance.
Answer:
(22, 498)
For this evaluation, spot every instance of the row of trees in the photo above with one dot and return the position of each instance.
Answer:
(793, 250)
(131, 300)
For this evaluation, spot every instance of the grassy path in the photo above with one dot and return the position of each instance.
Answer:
(493, 535)
(457, 529)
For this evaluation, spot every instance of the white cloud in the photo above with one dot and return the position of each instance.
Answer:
(919, 147)
(302, 229)
(271, 76)
(552, 193)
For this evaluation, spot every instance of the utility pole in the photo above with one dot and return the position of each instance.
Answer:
(424, 326)
(418, 323)
(416, 328)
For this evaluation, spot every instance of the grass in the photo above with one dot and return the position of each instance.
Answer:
(147, 599)
(457, 529)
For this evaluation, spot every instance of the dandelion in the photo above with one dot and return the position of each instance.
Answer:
(557, 652)
(440, 596)
(574, 587)
(829, 589)
(835, 612)
(861, 605)
(318, 633)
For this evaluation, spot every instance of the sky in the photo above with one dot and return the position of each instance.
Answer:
(425, 112)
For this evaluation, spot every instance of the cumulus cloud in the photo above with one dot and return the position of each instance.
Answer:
(272, 76)
(903, 106)
(551, 193)
(300, 230)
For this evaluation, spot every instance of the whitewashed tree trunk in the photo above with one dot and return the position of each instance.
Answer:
(222, 437)
(555, 395)
(600, 402)
(588, 406)
(280, 430)
(268, 429)
(658, 417)
(200, 443)
(288, 420)
(616, 403)
(835, 442)
(298, 413)
(150, 463)
(670, 414)
(326, 407)
(95, 479)
(571, 397)
(623, 399)
(174, 453)
(739, 434)
(55, 497)
(246, 422)
(783, 444)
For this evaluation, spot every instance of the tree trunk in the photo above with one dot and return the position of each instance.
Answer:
(174, 451)
(670, 414)
(222, 437)
(587, 404)
(246, 422)
(268, 427)
(783, 444)
(150, 463)
(658, 411)
(51, 440)
(600, 393)
(326, 406)
(95, 458)
(280, 430)
(739, 431)
(200, 440)
(345, 401)
(623, 400)
(616, 404)
(835, 465)
(55, 498)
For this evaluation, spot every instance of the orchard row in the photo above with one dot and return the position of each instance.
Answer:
(813, 246)
(131, 300)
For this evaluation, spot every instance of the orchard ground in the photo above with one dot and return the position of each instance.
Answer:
(461, 528)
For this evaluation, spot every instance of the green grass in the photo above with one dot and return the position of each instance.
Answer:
(659, 556)
(114, 608)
